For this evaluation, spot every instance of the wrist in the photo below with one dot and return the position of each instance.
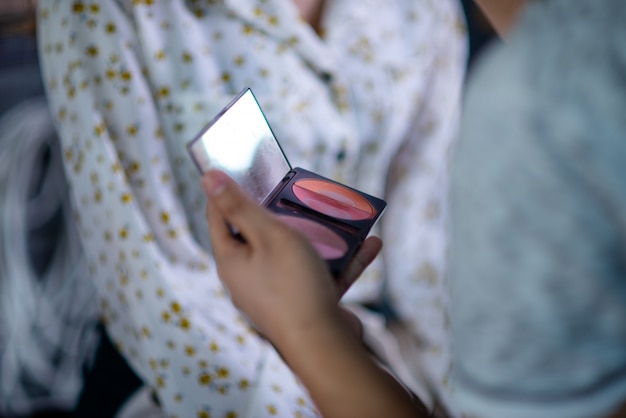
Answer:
(340, 375)
(303, 337)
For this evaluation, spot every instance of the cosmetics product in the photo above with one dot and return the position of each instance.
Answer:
(334, 217)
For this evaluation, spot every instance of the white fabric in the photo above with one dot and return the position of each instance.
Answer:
(373, 104)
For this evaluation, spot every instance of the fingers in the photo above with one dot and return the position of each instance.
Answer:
(219, 232)
(363, 258)
(230, 205)
(353, 323)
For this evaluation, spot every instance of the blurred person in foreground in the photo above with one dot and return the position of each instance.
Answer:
(537, 277)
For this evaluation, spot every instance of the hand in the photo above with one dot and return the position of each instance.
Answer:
(276, 278)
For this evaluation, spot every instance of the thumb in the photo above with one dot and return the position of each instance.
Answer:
(228, 201)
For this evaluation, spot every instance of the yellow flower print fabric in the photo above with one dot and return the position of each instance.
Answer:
(372, 102)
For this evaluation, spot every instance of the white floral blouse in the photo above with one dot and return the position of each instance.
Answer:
(371, 102)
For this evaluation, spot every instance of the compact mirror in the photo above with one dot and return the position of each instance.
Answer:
(240, 142)
(334, 217)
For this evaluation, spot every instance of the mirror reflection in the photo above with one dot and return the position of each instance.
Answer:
(239, 142)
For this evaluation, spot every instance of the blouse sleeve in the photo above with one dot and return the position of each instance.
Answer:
(414, 227)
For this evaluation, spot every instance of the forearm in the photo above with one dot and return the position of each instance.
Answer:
(342, 378)
(502, 13)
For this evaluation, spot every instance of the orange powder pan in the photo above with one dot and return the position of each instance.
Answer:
(333, 200)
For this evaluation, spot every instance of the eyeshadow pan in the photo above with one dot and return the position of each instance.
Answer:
(333, 199)
(328, 244)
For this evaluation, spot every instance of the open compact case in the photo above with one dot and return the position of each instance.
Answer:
(334, 217)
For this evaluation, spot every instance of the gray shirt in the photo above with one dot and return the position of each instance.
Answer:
(538, 257)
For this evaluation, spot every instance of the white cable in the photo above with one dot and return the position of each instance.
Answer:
(47, 324)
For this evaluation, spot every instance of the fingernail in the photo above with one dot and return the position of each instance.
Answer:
(214, 182)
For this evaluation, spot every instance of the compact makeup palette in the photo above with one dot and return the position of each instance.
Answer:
(334, 217)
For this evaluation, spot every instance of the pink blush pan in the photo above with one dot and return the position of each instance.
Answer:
(328, 244)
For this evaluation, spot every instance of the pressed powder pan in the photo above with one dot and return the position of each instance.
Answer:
(333, 199)
(329, 245)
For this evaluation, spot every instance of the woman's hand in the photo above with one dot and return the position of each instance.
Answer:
(275, 276)
(278, 280)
